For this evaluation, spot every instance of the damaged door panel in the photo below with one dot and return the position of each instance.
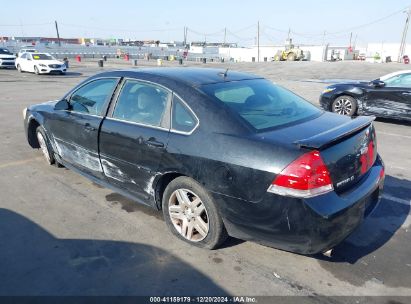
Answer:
(389, 102)
(75, 130)
(134, 137)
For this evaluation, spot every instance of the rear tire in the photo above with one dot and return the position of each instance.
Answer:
(45, 146)
(19, 68)
(345, 105)
(191, 214)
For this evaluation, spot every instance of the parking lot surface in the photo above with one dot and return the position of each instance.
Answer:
(60, 234)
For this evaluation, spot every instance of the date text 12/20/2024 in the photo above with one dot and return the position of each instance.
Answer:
(240, 299)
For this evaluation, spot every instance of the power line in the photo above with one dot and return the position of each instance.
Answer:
(20, 25)
(119, 30)
(347, 30)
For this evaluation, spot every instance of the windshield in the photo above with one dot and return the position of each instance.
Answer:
(5, 52)
(260, 103)
(42, 57)
(399, 80)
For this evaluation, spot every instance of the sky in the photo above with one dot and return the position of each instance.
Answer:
(310, 22)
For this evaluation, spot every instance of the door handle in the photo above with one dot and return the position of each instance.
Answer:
(154, 143)
(89, 127)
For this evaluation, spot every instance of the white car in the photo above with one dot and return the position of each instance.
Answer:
(7, 59)
(40, 63)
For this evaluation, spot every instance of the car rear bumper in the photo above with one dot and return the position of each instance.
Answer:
(305, 226)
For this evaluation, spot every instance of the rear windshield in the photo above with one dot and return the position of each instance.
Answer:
(261, 103)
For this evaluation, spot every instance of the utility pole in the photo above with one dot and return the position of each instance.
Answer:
(289, 34)
(58, 35)
(185, 37)
(404, 36)
(324, 37)
(258, 41)
(350, 39)
(225, 34)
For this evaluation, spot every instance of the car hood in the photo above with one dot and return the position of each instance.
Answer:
(45, 106)
(3, 56)
(350, 84)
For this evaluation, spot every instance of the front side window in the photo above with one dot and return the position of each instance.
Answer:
(142, 103)
(90, 98)
(183, 119)
(260, 103)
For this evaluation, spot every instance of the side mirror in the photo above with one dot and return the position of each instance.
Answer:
(378, 83)
(62, 105)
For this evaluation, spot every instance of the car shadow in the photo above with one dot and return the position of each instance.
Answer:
(394, 121)
(34, 262)
(130, 206)
(379, 227)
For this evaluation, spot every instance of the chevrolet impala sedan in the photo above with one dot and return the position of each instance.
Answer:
(219, 152)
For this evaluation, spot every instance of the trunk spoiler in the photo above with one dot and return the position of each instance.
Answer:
(334, 135)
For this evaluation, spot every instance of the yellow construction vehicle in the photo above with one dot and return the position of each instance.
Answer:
(290, 53)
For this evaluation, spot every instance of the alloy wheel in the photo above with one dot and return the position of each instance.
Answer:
(343, 106)
(188, 215)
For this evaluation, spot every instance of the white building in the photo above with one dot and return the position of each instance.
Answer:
(385, 50)
(267, 53)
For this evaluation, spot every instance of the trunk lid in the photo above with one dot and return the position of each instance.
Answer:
(347, 146)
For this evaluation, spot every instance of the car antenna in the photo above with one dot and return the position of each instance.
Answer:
(225, 73)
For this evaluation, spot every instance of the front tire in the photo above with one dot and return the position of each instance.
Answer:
(191, 214)
(345, 105)
(45, 145)
(291, 57)
(36, 70)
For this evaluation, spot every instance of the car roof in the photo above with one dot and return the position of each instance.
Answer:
(394, 74)
(38, 53)
(194, 76)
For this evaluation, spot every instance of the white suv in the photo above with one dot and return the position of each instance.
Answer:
(7, 59)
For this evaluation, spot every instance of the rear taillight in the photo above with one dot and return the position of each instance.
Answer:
(307, 176)
(382, 173)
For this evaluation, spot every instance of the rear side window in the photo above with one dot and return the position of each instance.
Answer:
(183, 120)
(260, 103)
(90, 98)
(141, 103)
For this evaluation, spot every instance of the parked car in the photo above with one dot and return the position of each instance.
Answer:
(40, 63)
(7, 59)
(388, 96)
(220, 152)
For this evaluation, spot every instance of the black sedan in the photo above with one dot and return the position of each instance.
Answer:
(220, 152)
(388, 96)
